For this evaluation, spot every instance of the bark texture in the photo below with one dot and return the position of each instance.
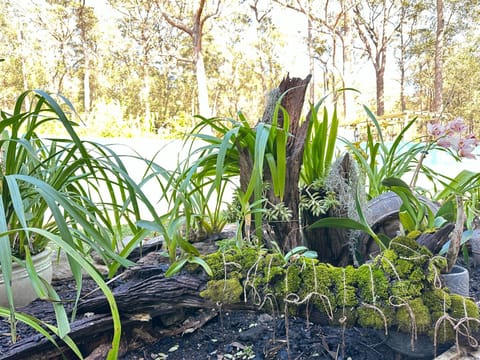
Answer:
(287, 234)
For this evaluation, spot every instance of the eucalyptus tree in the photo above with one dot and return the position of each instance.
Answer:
(250, 49)
(141, 32)
(410, 14)
(86, 21)
(431, 51)
(60, 52)
(191, 17)
(376, 22)
(329, 40)
(462, 73)
(19, 44)
(439, 43)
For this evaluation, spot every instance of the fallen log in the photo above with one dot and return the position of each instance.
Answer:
(392, 292)
(142, 293)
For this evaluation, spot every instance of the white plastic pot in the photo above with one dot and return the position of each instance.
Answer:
(23, 293)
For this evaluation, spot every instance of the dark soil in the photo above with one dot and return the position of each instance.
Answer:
(240, 334)
(250, 335)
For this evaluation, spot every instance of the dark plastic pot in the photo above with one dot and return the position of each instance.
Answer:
(457, 280)
(422, 347)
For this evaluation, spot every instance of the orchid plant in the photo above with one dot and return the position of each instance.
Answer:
(453, 136)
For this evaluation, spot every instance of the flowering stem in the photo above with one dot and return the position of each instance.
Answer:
(417, 169)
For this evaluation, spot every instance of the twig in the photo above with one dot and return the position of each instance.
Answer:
(456, 235)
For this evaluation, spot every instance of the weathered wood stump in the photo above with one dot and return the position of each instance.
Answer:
(287, 233)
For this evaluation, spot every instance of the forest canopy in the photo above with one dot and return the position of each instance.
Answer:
(137, 67)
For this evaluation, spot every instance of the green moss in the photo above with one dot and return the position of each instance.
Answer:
(463, 307)
(374, 317)
(347, 316)
(407, 247)
(406, 289)
(418, 274)
(416, 311)
(233, 261)
(223, 291)
(346, 285)
(372, 283)
(272, 268)
(437, 300)
(387, 261)
(344, 291)
(404, 268)
(293, 281)
(317, 281)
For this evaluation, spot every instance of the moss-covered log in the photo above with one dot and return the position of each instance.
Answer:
(399, 290)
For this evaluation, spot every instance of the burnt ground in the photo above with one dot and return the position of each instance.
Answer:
(241, 334)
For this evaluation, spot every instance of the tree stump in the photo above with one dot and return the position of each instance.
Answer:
(287, 234)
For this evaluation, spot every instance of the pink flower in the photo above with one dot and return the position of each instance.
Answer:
(457, 125)
(448, 141)
(467, 152)
(466, 147)
(473, 139)
(436, 130)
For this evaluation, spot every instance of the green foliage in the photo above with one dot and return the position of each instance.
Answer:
(347, 223)
(74, 193)
(313, 200)
(217, 162)
(467, 184)
(380, 160)
(300, 251)
(320, 143)
(414, 214)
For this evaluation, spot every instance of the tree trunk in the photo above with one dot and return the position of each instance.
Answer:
(380, 80)
(288, 234)
(347, 73)
(203, 102)
(439, 40)
(334, 245)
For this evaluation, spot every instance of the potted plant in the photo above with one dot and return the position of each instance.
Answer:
(62, 191)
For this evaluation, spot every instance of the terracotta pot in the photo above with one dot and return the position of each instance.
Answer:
(23, 293)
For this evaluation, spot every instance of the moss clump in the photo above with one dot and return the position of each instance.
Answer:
(437, 300)
(387, 262)
(292, 280)
(407, 247)
(463, 307)
(372, 283)
(233, 261)
(403, 274)
(462, 310)
(346, 286)
(413, 313)
(223, 291)
(376, 317)
(273, 268)
(406, 289)
(404, 267)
